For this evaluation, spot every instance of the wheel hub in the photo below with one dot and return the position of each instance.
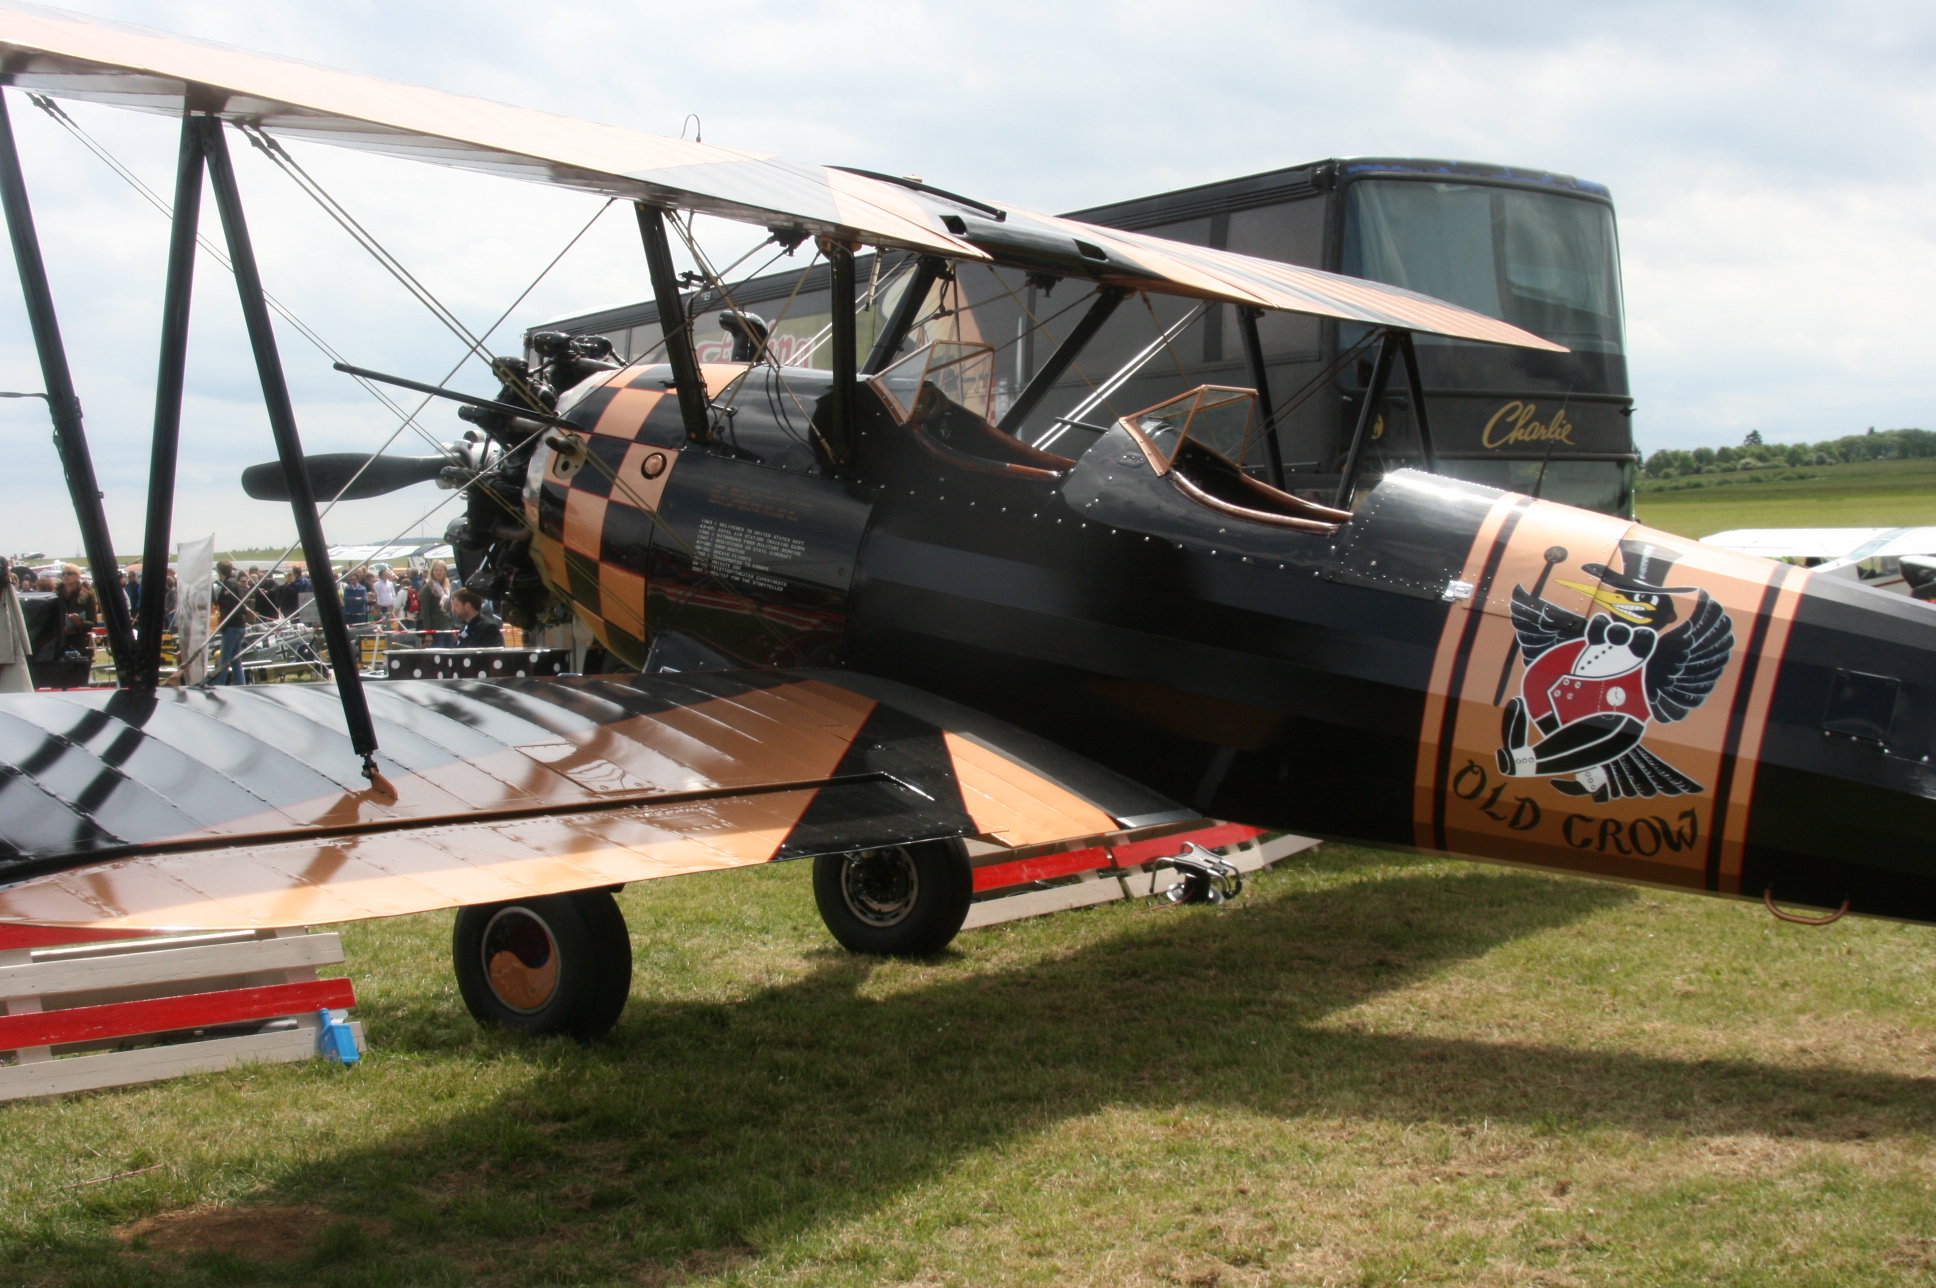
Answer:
(520, 959)
(880, 886)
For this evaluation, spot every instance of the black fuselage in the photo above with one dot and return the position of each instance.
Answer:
(1282, 678)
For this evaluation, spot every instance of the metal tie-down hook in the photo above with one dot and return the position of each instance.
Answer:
(1207, 877)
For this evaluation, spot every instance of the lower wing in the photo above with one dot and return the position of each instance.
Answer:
(234, 808)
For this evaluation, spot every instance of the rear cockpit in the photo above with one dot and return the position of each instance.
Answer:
(942, 395)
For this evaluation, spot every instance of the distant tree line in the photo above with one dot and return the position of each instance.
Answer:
(1753, 454)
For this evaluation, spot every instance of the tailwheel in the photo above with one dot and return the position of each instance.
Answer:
(895, 901)
(561, 963)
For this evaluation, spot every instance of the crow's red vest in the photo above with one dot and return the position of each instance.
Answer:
(1552, 688)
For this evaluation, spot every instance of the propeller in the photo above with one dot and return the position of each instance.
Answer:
(330, 472)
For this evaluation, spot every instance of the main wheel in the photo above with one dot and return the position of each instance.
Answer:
(561, 963)
(897, 901)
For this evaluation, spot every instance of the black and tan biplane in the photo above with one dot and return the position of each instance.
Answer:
(845, 613)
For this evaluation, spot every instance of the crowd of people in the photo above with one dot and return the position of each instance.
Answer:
(61, 650)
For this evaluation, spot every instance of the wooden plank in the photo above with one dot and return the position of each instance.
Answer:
(1043, 867)
(1062, 863)
(1141, 880)
(16, 936)
(145, 944)
(166, 1014)
(123, 1068)
(1210, 838)
(125, 970)
(1036, 903)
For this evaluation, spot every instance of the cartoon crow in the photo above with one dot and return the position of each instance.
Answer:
(1593, 684)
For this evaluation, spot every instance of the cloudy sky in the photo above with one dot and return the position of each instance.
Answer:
(1771, 164)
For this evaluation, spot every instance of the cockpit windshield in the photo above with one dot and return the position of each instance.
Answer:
(1213, 416)
(962, 373)
(1539, 260)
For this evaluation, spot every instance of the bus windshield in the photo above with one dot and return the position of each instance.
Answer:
(1539, 260)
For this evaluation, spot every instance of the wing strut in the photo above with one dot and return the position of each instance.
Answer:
(1415, 381)
(840, 306)
(282, 423)
(1381, 366)
(70, 439)
(895, 334)
(1266, 414)
(163, 452)
(673, 322)
(1393, 343)
(1107, 298)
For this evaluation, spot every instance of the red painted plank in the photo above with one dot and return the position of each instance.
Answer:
(49, 936)
(1042, 867)
(1162, 847)
(164, 1014)
(1046, 867)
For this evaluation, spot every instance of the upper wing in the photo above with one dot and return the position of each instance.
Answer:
(1795, 543)
(1143, 262)
(1687, 661)
(70, 56)
(66, 55)
(1541, 624)
(216, 809)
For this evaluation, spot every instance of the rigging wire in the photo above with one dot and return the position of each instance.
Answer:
(276, 153)
(466, 486)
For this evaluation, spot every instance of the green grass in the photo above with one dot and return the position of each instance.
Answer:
(1866, 494)
(1369, 1070)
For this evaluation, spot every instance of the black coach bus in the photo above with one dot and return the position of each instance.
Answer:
(1533, 248)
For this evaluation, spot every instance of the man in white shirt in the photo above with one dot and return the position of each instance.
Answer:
(383, 596)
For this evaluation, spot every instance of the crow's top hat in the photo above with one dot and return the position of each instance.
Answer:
(1647, 568)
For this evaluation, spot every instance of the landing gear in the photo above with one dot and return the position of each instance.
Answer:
(897, 901)
(557, 964)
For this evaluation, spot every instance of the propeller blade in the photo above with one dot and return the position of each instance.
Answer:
(330, 472)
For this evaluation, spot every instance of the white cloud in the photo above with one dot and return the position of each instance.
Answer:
(1771, 163)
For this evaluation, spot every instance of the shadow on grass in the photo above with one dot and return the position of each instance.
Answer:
(700, 1129)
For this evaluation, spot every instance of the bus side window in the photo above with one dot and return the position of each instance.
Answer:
(1293, 232)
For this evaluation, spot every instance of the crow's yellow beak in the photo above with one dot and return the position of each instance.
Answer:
(1616, 602)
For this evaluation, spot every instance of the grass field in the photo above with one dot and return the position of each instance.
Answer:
(1868, 494)
(1369, 1070)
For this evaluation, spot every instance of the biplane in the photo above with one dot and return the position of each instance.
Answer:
(845, 614)
(1901, 561)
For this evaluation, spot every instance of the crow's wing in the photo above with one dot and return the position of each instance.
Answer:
(1688, 661)
(1541, 624)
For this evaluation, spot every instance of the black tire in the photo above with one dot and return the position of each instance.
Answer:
(557, 964)
(897, 901)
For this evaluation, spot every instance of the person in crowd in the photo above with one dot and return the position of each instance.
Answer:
(120, 588)
(65, 655)
(294, 587)
(232, 608)
(16, 649)
(433, 607)
(265, 598)
(28, 582)
(132, 584)
(168, 606)
(383, 597)
(356, 600)
(476, 628)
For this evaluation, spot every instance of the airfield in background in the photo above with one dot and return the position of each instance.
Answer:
(1857, 494)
